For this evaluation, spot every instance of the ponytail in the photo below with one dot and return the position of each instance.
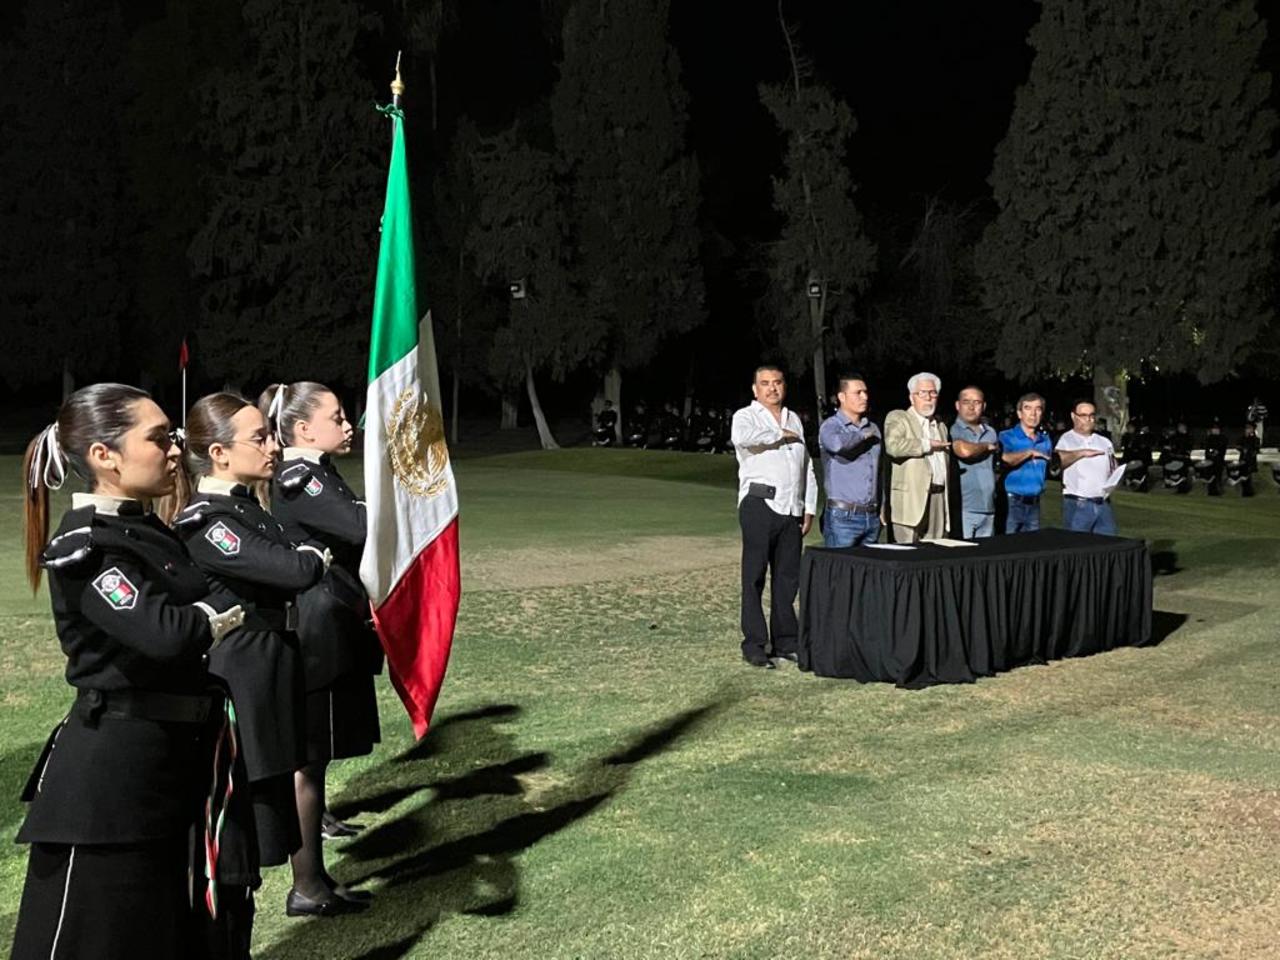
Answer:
(208, 422)
(45, 469)
(284, 404)
(100, 413)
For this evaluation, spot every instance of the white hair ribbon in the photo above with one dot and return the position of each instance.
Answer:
(274, 410)
(48, 464)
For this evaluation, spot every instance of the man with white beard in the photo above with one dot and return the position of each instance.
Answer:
(916, 443)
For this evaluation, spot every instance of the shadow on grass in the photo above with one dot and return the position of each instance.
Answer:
(1164, 624)
(1164, 559)
(483, 804)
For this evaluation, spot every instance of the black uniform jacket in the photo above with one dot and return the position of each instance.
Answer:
(316, 506)
(244, 551)
(122, 590)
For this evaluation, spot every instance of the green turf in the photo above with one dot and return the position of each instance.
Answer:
(606, 779)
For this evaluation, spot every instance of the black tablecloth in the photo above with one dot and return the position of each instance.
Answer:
(950, 614)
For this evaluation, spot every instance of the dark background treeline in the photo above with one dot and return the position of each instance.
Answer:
(181, 169)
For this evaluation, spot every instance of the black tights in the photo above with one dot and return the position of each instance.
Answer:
(309, 876)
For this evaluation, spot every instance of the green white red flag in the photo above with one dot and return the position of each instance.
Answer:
(410, 565)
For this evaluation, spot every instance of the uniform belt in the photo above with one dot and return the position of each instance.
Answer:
(273, 618)
(937, 487)
(144, 705)
(853, 507)
(1072, 496)
(1023, 498)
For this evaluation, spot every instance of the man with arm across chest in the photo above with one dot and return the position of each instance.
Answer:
(777, 497)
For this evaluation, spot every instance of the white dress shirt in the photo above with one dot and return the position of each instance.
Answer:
(763, 458)
(937, 458)
(1087, 477)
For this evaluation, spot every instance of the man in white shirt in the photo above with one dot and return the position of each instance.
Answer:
(777, 497)
(1087, 461)
(917, 444)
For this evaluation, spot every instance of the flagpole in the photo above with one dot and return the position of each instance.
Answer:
(397, 85)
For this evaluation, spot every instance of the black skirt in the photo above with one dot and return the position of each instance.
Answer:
(99, 902)
(342, 719)
(275, 817)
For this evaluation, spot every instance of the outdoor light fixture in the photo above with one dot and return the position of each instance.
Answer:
(815, 290)
(516, 289)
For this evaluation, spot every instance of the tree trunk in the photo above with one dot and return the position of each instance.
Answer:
(544, 432)
(509, 410)
(68, 380)
(457, 343)
(817, 316)
(1111, 399)
(435, 99)
(613, 392)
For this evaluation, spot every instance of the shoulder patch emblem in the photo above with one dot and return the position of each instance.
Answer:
(313, 487)
(115, 588)
(222, 538)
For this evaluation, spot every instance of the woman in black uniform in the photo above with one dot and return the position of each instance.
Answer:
(339, 646)
(122, 779)
(241, 548)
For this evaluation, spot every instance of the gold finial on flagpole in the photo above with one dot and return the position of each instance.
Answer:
(397, 85)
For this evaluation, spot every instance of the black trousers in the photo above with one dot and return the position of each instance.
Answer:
(770, 542)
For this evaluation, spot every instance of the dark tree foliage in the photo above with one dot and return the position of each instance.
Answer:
(619, 114)
(298, 169)
(518, 235)
(1136, 223)
(822, 240)
(63, 216)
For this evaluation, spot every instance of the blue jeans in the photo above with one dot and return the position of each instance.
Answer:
(847, 528)
(978, 525)
(1023, 517)
(1088, 517)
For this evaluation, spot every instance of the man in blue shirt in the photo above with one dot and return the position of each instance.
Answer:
(1026, 450)
(975, 447)
(850, 469)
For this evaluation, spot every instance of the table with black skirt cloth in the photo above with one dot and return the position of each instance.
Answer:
(939, 614)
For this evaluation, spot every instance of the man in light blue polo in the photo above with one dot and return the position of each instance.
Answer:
(1026, 451)
(850, 468)
(975, 446)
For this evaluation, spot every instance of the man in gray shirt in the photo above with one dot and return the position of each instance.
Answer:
(974, 444)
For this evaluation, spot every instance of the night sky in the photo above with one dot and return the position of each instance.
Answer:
(931, 85)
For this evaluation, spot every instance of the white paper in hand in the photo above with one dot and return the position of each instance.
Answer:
(1113, 481)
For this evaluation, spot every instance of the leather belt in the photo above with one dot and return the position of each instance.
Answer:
(1023, 498)
(144, 705)
(853, 507)
(280, 620)
(1072, 496)
(936, 488)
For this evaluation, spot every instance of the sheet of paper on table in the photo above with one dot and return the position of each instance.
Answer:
(889, 546)
(1113, 481)
(948, 542)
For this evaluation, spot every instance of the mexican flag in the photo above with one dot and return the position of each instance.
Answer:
(410, 563)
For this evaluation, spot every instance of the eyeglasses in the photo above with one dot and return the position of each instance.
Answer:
(258, 442)
(1085, 416)
(926, 393)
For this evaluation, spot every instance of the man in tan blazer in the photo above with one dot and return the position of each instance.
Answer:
(916, 444)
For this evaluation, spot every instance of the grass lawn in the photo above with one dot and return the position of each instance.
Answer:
(606, 779)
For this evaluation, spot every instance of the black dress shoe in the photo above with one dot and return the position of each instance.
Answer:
(792, 656)
(298, 905)
(331, 828)
(759, 660)
(346, 893)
